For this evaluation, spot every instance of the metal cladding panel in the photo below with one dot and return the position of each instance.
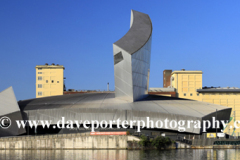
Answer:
(139, 33)
(141, 71)
(13, 130)
(103, 106)
(8, 102)
(9, 108)
(158, 116)
(123, 76)
(219, 115)
(132, 59)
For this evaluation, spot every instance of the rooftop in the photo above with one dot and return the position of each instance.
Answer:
(138, 34)
(104, 106)
(162, 90)
(219, 89)
(187, 72)
(50, 66)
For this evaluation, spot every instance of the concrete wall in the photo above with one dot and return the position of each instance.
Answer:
(65, 141)
(85, 141)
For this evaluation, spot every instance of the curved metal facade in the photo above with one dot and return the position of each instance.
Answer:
(132, 59)
(9, 108)
(131, 70)
(104, 106)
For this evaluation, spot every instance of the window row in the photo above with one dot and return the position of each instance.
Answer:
(40, 79)
(185, 94)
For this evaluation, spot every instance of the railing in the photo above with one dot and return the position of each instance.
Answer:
(186, 141)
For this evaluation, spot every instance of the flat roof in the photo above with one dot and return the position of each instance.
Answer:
(49, 66)
(218, 90)
(162, 90)
(187, 72)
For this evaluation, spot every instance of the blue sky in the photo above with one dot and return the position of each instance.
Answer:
(195, 35)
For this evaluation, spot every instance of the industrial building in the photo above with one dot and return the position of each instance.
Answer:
(131, 101)
(49, 80)
(188, 84)
(227, 96)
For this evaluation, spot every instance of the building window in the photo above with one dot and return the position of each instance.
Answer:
(118, 58)
(39, 85)
(39, 72)
(184, 94)
(57, 81)
(39, 93)
(39, 78)
(198, 94)
(46, 81)
(39, 68)
(52, 81)
(190, 94)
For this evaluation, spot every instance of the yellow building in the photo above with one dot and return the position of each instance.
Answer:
(229, 97)
(186, 83)
(49, 80)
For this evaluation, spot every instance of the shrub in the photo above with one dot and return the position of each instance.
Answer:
(143, 140)
(160, 142)
(157, 142)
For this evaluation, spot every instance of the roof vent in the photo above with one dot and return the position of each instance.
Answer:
(182, 69)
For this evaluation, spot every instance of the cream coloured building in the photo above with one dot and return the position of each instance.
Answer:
(229, 97)
(49, 80)
(186, 83)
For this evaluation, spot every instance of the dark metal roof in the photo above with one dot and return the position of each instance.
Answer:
(138, 34)
(215, 90)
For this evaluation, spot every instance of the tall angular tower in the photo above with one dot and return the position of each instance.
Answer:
(132, 59)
